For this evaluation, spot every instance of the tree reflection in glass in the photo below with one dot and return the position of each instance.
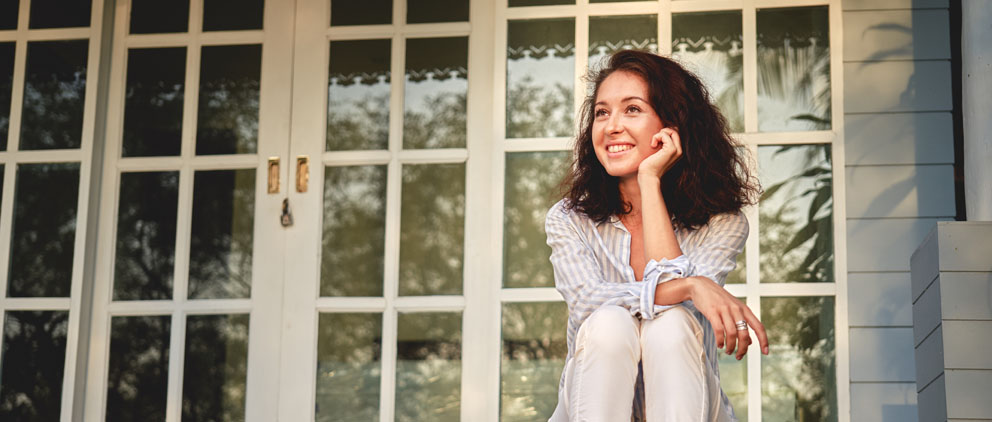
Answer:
(358, 95)
(540, 69)
(354, 232)
(796, 214)
(793, 69)
(146, 236)
(222, 234)
(54, 94)
(610, 34)
(59, 13)
(798, 377)
(138, 376)
(533, 356)
(215, 368)
(532, 180)
(42, 240)
(432, 229)
(6, 87)
(8, 14)
(227, 117)
(33, 363)
(429, 366)
(710, 45)
(435, 93)
(349, 351)
(152, 16)
(153, 102)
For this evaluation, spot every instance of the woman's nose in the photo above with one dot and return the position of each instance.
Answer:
(614, 125)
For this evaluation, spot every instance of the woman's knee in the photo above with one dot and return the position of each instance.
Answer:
(671, 329)
(610, 329)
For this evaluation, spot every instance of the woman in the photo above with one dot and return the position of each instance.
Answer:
(648, 230)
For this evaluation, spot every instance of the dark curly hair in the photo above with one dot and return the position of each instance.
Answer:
(711, 177)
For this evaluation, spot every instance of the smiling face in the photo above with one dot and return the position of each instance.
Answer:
(623, 124)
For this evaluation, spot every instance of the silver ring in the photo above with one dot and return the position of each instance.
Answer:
(741, 325)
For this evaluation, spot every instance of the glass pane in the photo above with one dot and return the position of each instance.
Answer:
(432, 229)
(59, 13)
(532, 180)
(33, 363)
(228, 110)
(349, 351)
(367, 12)
(798, 377)
(540, 74)
(156, 16)
(534, 350)
(516, 3)
(8, 14)
(222, 234)
(733, 379)
(232, 15)
(709, 44)
(6, 86)
(354, 233)
(609, 34)
(44, 231)
(427, 11)
(739, 274)
(358, 95)
(215, 369)
(153, 103)
(429, 366)
(146, 236)
(793, 69)
(139, 368)
(435, 93)
(54, 93)
(796, 214)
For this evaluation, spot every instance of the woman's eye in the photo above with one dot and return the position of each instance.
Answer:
(600, 113)
(633, 109)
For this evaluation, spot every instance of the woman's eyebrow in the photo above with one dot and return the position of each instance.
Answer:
(603, 103)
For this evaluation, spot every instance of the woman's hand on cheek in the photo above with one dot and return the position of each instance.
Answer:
(668, 150)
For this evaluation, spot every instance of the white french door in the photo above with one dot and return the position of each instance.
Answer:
(387, 261)
(292, 225)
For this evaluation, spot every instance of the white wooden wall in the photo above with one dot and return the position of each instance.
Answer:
(899, 156)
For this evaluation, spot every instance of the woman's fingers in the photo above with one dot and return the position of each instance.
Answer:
(730, 331)
(676, 140)
(759, 329)
(743, 336)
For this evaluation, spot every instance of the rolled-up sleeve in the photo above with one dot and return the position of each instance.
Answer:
(713, 256)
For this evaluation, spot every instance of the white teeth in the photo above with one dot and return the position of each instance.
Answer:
(618, 148)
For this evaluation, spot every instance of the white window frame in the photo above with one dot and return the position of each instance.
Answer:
(12, 157)
(753, 290)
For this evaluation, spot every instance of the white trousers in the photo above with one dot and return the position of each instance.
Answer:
(600, 378)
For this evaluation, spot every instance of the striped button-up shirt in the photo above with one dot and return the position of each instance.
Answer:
(592, 268)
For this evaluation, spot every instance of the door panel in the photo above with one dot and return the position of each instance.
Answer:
(188, 293)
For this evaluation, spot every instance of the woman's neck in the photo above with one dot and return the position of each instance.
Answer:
(630, 192)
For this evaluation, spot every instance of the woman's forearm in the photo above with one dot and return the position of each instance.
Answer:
(674, 291)
(659, 235)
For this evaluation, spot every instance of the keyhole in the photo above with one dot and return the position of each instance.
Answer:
(287, 217)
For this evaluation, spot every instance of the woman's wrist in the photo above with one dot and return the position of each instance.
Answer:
(648, 180)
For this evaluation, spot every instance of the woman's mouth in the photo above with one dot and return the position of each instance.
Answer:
(618, 148)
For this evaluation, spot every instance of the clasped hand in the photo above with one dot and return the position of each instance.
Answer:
(669, 147)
